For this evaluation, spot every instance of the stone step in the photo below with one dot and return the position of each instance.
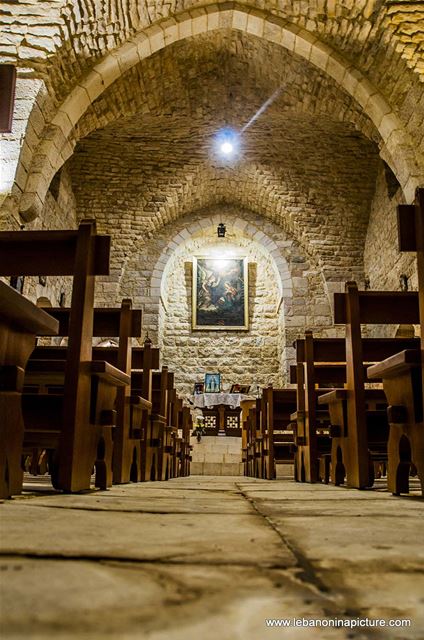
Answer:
(216, 469)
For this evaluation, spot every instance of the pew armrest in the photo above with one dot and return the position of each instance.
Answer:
(23, 314)
(333, 397)
(140, 402)
(109, 373)
(296, 415)
(53, 372)
(395, 365)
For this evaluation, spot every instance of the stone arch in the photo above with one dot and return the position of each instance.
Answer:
(397, 149)
(194, 351)
(305, 297)
(16, 147)
(237, 225)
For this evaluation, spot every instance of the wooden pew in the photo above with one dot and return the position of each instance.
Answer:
(253, 453)
(182, 446)
(20, 322)
(151, 384)
(186, 425)
(177, 440)
(169, 432)
(246, 405)
(83, 255)
(320, 363)
(45, 389)
(277, 405)
(123, 323)
(357, 418)
(403, 373)
(245, 449)
(133, 409)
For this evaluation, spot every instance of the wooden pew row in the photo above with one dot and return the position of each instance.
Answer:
(312, 424)
(319, 428)
(253, 450)
(247, 439)
(267, 433)
(160, 444)
(20, 322)
(355, 428)
(135, 433)
(403, 372)
(45, 374)
(186, 426)
(277, 406)
(82, 254)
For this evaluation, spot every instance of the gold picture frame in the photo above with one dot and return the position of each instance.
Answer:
(220, 294)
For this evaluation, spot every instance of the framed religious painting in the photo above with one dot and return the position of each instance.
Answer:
(212, 382)
(220, 293)
(240, 388)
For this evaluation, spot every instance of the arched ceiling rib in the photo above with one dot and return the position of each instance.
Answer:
(56, 148)
(315, 182)
(148, 143)
(227, 75)
(74, 34)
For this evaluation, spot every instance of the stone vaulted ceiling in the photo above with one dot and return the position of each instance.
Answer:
(146, 145)
(154, 123)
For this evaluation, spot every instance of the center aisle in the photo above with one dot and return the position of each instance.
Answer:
(209, 558)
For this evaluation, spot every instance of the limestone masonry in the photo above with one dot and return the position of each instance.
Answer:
(117, 105)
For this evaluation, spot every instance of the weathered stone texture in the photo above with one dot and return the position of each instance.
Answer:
(59, 213)
(307, 198)
(383, 263)
(287, 295)
(84, 30)
(376, 39)
(310, 174)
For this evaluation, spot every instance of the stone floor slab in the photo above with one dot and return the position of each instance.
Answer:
(151, 501)
(209, 557)
(107, 599)
(142, 536)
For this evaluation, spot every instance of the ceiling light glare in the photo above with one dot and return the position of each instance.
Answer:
(227, 143)
(227, 148)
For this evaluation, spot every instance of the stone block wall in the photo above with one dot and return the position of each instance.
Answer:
(249, 357)
(383, 263)
(59, 212)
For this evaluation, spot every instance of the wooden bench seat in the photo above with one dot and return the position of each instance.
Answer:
(320, 361)
(277, 406)
(186, 425)
(123, 323)
(353, 448)
(402, 376)
(376, 425)
(83, 255)
(20, 322)
(403, 372)
(41, 411)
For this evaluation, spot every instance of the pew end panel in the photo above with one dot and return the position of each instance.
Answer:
(20, 322)
(402, 377)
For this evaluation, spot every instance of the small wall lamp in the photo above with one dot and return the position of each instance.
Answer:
(221, 230)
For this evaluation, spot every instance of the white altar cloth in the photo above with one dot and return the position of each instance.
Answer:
(233, 400)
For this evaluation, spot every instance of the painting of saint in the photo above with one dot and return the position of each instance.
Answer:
(220, 293)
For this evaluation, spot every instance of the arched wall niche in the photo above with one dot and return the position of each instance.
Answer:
(249, 357)
(53, 150)
(158, 277)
